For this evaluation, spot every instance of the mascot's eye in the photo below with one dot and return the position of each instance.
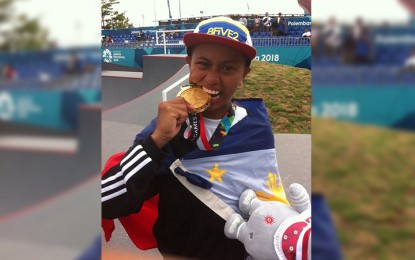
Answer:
(251, 235)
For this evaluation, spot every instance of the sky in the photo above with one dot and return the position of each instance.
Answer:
(375, 11)
(77, 22)
(70, 23)
(191, 8)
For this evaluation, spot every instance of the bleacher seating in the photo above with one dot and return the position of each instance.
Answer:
(124, 36)
(386, 60)
(45, 69)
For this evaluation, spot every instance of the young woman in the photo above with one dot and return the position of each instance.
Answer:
(197, 161)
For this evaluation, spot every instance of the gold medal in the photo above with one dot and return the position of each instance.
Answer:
(195, 96)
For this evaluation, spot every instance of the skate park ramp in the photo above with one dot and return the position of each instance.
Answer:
(50, 188)
(118, 89)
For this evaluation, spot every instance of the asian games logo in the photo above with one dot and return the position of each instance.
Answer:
(7, 106)
(107, 55)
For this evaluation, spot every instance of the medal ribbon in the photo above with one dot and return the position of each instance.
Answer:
(220, 132)
(194, 123)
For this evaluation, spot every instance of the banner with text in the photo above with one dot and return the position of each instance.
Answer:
(55, 109)
(387, 106)
(291, 56)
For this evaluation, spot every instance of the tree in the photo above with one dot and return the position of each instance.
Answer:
(28, 35)
(111, 19)
(18, 32)
(4, 10)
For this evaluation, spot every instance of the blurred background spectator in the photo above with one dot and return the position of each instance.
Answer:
(266, 23)
(409, 65)
(306, 33)
(244, 21)
(363, 45)
(74, 64)
(306, 36)
(108, 39)
(316, 44)
(410, 61)
(257, 24)
(281, 27)
(332, 35)
(348, 45)
(8, 72)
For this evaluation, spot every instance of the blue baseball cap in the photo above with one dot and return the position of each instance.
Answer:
(224, 31)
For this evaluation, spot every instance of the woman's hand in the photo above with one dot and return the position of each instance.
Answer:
(171, 115)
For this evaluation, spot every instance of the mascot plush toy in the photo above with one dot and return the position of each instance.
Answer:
(274, 230)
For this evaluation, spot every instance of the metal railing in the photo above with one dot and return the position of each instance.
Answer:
(178, 43)
(281, 41)
(165, 42)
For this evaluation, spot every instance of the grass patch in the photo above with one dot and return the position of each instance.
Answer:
(366, 174)
(286, 92)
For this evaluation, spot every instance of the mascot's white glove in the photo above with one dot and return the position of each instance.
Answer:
(274, 230)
